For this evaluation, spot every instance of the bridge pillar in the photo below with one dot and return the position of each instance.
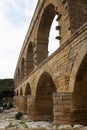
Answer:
(79, 109)
(79, 116)
(62, 106)
(31, 107)
(21, 104)
(15, 101)
(42, 51)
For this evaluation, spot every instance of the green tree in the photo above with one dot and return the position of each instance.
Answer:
(6, 88)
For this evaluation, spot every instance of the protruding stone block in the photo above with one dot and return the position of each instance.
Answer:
(57, 27)
(58, 37)
(59, 17)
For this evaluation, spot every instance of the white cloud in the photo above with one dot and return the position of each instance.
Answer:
(53, 42)
(12, 33)
(30, 6)
(15, 16)
(10, 44)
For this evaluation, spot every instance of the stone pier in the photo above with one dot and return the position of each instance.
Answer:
(31, 108)
(21, 104)
(62, 106)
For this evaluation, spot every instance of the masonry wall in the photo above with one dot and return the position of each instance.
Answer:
(78, 11)
(59, 65)
(21, 104)
(31, 108)
(62, 107)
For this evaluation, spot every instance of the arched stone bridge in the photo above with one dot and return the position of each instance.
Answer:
(54, 87)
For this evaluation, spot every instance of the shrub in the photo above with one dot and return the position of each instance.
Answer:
(23, 124)
(7, 105)
(11, 125)
(18, 115)
(10, 105)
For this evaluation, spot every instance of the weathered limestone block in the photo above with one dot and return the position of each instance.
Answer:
(22, 104)
(79, 115)
(62, 105)
(79, 108)
(44, 107)
(31, 107)
(16, 101)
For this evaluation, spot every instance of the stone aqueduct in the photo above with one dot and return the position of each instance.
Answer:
(55, 87)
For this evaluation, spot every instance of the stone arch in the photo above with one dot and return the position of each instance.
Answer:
(18, 75)
(78, 78)
(43, 32)
(18, 90)
(44, 95)
(17, 93)
(15, 80)
(27, 89)
(22, 68)
(29, 59)
(21, 92)
(27, 95)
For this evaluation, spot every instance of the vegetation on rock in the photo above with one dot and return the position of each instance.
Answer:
(18, 115)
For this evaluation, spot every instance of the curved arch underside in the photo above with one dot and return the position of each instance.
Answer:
(44, 97)
(80, 86)
(22, 68)
(28, 89)
(43, 32)
(21, 91)
(19, 76)
(45, 24)
(29, 59)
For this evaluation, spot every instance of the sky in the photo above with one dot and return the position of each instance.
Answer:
(15, 17)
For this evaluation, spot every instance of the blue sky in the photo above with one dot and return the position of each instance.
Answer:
(15, 16)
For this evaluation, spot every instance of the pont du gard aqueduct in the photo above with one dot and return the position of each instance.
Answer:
(54, 87)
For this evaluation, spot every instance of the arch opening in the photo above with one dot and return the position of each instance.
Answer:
(17, 93)
(21, 92)
(53, 44)
(28, 90)
(80, 86)
(29, 59)
(22, 69)
(19, 76)
(27, 94)
(44, 98)
(47, 19)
